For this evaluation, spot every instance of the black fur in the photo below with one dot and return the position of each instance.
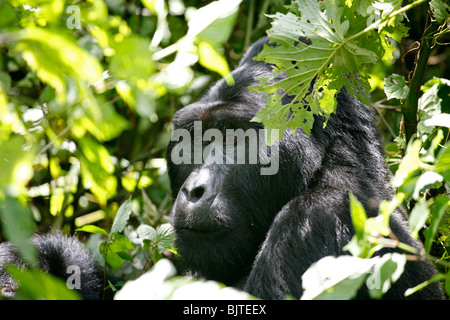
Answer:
(56, 253)
(259, 232)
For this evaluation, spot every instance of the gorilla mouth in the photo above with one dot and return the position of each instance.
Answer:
(201, 232)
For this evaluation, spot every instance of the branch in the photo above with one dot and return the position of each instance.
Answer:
(409, 107)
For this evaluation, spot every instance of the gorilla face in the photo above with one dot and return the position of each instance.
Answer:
(224, 200)
(222, 208)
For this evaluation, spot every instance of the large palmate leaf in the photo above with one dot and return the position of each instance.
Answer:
(321, 47)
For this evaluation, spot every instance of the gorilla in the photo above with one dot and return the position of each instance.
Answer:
(255, 231)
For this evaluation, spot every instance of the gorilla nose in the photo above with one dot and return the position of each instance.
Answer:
(194, 194)
(198, 186)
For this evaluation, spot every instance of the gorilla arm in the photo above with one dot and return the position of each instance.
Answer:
(305, 230)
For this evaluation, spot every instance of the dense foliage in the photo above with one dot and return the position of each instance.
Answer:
(88, 88)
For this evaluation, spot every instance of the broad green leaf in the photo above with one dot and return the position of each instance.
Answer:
(146, 232)
(122, 216)
(132, 60)
(379, 225)
(92, 229)
(386, 271)
(335, 278)
(103, 122)
(339, 46)
(359, 216)
(440, 10)
(418, 216)
(409, 164)
(433, 105)
(16, 164)
(96, 169)
(161, 283)
(18, 225)
(443, 162)
(441, 203)
(38, 285)
(164, 237)
(213, 23)
(439, 120)
(395, 86)
(427, 179)
(115, 251)
(8, 14)
(68, 59)
(213, 60)
(56, 201)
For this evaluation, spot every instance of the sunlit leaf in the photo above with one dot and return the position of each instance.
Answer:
(68, 59)
(441, 203)
(418, 216)
(92, 229)
(37, 285)
(395, 86)
(122, 216)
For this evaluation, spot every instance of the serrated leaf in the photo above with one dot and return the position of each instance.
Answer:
(164, 237)
(395, 86)
(338, 47)
(122, 216)
(146, 232)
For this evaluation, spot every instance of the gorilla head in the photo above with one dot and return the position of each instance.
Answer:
(225, 201)
(257, 217)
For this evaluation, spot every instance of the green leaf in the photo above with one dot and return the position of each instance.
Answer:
(427, 179)
(386, 271)
(433, 105)
(418, 216)
(8, 14)
(340, 46)
(115, 250)
(164, 237)
(337, 278)
(441, 203)
(443, 162)
(92, 229)
(440, 10)
(122, 216)
(132, 60)
(409, 164)
(214, 23)
(96, 169)
(359, 216)
(68, 59)
(146, 232)
(395, 86)
(210, 58)
(37, 285)
(18, 226)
